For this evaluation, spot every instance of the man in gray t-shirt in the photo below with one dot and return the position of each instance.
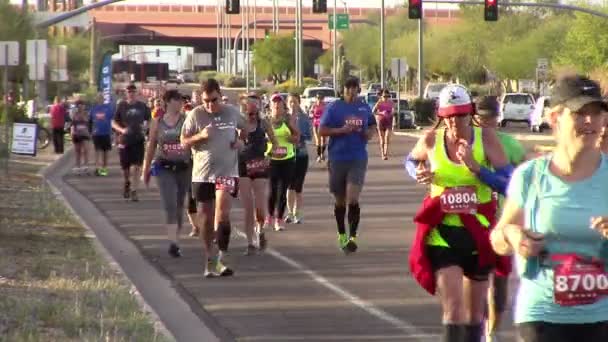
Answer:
(211, 131)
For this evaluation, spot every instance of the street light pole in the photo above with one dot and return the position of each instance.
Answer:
(217, 39)
(420, 58)
(335, 36)
(301, 43)
(382, 44)
(296, 36)
(255, 34)
(248, 53)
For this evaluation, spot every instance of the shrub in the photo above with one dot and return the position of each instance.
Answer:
(235, 82)
(425, 111)
(16, 114)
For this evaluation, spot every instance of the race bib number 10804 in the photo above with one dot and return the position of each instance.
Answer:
(459, 200)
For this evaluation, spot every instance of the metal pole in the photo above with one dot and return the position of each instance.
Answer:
(255, 35)
(396, 122)
(217, 40)
(223, 40)
(297, 46)
(229, 36)
(247, 53)
(6, 117)
(335, 37)
(93, 56)
(301, 43)
(420, 58)
(382, 44)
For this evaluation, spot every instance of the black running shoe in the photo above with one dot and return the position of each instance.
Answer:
(174, 250)
(127, 191)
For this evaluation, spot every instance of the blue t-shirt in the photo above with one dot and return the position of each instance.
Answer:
(101, 117)
(351, 146)
(562, 212)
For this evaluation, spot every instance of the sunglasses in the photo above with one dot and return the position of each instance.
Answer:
(213, 100)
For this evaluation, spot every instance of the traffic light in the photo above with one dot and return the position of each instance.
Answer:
(319, 6)
(233, 7)
(414, 9)
(490, 11)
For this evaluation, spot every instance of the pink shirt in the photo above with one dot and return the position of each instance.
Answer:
(58, 114)
(385, 108)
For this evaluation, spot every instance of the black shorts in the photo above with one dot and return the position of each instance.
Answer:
(102, 142)
(345, 172)
(553, 332)
(132, 154)
(191, 201)
(77, 139)
(462, 252)
(299, 175)
(205, 191)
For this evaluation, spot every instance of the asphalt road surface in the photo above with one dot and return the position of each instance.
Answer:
(304, 288)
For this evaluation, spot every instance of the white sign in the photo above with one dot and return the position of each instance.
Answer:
(24, 138)
(10, 50)
(203, 59)
(398, 67)
(37, 74)
(81, 20)
(58, 63)
(36, 52)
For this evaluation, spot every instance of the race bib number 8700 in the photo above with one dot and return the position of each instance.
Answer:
(578, 282)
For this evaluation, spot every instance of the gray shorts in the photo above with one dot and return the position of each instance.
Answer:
(346, 172)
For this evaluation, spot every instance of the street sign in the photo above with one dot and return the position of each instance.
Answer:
(37, 58)
(399, 67)
(9, 53)
(58, 63)
(342, 21)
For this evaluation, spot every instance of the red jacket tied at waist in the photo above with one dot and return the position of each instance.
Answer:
(430, 216)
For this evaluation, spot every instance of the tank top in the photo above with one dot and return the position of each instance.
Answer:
(255, 145)
(169, 147)
(385, 108)
(317, 112)
(81, 125)
(286, 149)
(449, 174)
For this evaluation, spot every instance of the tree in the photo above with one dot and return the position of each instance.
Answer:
(275, 57)
(15, 26)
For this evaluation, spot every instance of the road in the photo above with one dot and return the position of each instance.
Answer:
(304, 288)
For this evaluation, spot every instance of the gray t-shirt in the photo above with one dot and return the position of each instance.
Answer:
(215, 157)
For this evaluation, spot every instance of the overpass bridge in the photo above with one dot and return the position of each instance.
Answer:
(195, 26)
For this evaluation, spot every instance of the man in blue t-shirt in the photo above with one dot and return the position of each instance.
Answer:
(101, 119)
(349, 124)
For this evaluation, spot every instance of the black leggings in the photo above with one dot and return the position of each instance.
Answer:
(551, 332)
(281, 173)
(58, 134)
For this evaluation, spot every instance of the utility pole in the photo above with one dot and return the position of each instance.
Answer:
(255, 35)
(93, 55)
(301, 43)
(335, 41)
(296, 36)
(381, 44)
(247, 42)
(217, 37)
(420, 58)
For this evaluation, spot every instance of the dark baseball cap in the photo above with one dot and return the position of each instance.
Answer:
(131, 87)
(576, 91)
(486, 106)
(351, 82)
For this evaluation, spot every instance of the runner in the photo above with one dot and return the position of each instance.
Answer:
(294, 194)
(555, 221)
(171, 166)
(383, 110)
(253, 173)
(486, 115)
(81, 135)
(451, 252)
(210, 130)
(349, 124)
(282, 161)
(316, 111)
(101, 116)
(58, 118)
(129, 121)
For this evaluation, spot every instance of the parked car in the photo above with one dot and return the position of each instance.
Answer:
(538, 121)
(515, 107)
(309, 96)
(374, 87)
(432, 90)
(406, 117)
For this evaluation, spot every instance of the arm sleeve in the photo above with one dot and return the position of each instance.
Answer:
(410, 166)
(498, 179)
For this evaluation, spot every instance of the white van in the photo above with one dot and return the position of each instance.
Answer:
(515, 107)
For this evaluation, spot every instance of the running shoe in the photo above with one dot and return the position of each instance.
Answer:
(174, 250)
(279, 224)
(220, 268)
(134, 197)
(97, 172)
(319, 159)
(342, 241)
(103, 172)
(127, 191)
(209, 269)
(351, 245)
(297, 218)
(289, 218)
(85, 170)
(262, 242)
(268, 222)
(250, 250)
(193, 233)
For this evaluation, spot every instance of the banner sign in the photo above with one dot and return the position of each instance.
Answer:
(105, 78)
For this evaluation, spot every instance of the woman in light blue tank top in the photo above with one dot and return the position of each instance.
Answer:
(555, 221)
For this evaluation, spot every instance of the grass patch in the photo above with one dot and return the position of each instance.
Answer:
(53, 284)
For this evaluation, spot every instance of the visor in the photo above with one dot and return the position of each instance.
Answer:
(455, 110)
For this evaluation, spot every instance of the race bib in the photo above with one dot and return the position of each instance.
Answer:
(225, 183)
(459, 200)
(354, 121)
(175, 149)
(279, 152)
(257, 166)
(100, 116)
(577, 281)
(81, 129)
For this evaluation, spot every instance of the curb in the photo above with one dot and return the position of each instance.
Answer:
(178, 318)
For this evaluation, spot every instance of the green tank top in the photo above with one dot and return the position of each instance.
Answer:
(450, 174)
(286, 149)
